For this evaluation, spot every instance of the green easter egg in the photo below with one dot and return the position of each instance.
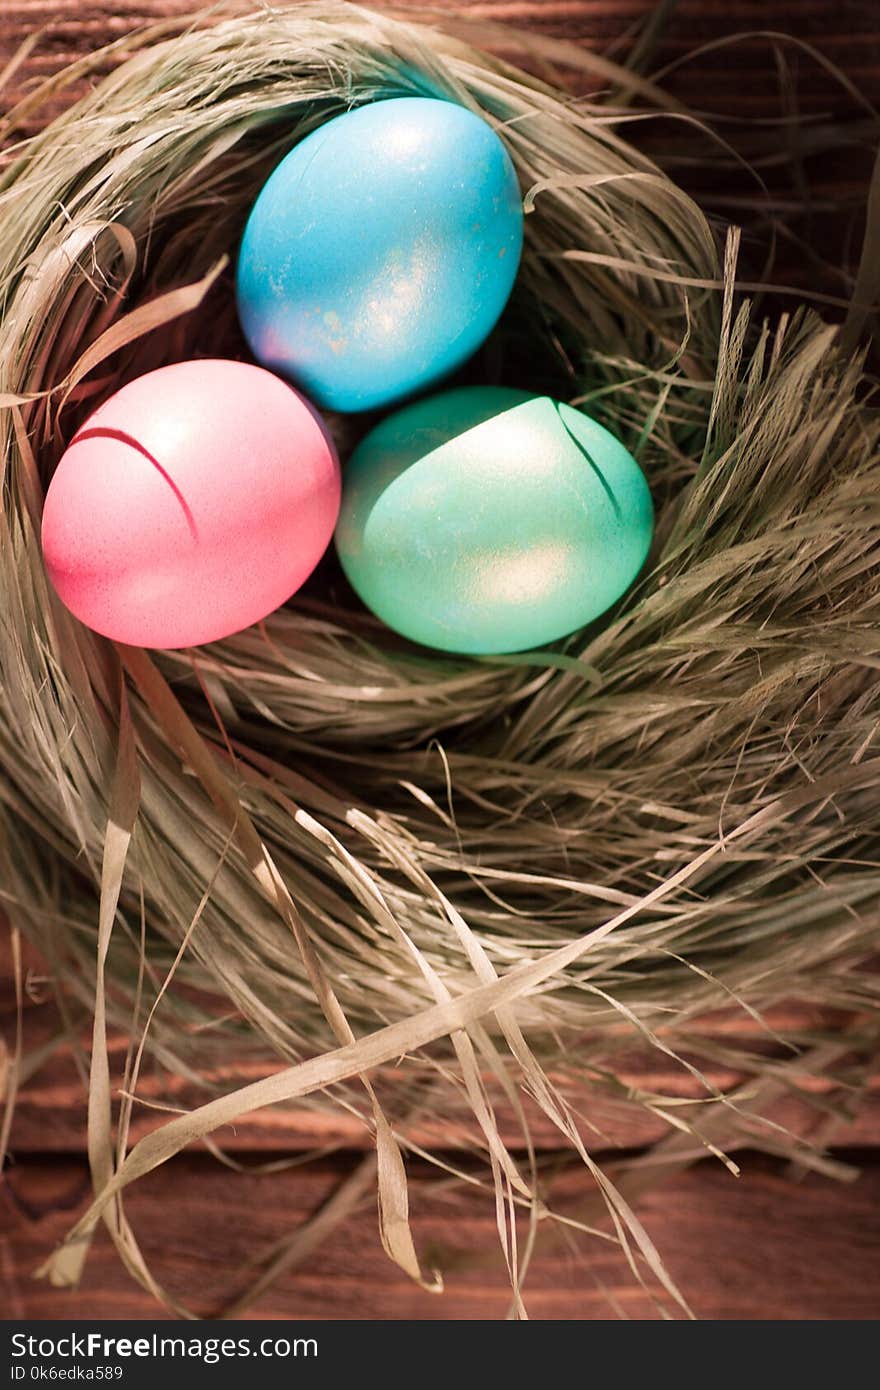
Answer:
(487, 520)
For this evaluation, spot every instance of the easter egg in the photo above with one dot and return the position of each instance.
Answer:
(487, 520)
(381, 251)
(191, 504)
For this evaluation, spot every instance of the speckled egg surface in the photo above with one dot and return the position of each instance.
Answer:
(191, 504)
(381, 251)
(488, 520)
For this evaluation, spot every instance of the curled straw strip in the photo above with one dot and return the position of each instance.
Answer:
(496, 874)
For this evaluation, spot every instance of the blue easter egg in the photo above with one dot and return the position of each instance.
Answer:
(381, 252)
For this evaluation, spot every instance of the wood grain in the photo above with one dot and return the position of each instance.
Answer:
(758, 1247)
(50, 1113)
(754, 1247)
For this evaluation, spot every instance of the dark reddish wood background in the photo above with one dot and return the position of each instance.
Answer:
(767, 1245)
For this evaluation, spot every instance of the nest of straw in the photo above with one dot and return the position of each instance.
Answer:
(423, 883)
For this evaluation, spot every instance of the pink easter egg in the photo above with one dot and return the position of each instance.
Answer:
(191, 504)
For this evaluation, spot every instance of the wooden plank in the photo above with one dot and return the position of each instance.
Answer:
(740, 79)
(50, 1113)
(50, 1117)
(758, 1247)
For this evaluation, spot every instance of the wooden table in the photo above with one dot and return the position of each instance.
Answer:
(768, 1245)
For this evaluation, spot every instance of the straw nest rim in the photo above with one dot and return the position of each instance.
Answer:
(490, 876)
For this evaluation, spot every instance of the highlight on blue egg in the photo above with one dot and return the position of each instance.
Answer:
(381, 252)
(487, 520)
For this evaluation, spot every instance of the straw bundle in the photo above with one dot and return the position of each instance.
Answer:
(495, 874)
